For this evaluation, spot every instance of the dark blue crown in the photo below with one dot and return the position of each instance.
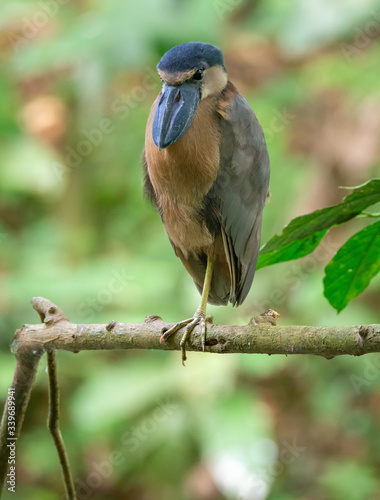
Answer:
(191, 55)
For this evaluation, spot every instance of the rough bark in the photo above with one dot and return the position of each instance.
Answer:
(260, 336)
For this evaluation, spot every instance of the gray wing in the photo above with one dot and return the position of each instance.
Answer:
(242, 186)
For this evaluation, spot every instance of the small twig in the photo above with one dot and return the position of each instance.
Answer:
(53, 425)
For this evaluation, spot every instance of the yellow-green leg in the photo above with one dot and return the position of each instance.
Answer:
(198, 318)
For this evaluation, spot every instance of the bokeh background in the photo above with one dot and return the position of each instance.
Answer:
(76, 83)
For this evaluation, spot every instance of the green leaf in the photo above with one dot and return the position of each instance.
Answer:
(301, 227)
(353, 267)
(302, 235)
(294, 250)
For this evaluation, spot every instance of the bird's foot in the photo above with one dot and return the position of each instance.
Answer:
(199, 318)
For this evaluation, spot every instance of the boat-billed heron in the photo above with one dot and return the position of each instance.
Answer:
(207, 171)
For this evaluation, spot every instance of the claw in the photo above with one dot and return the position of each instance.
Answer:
(174, 329)
(204, 331)
(183, 355)
(190, 324)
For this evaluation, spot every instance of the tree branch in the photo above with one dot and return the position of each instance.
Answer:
(261, 335)
(20, 390)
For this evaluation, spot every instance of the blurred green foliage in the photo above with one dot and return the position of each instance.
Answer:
(76, 83)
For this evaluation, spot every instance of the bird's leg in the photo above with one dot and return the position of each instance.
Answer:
(200, 314)
(198, 318)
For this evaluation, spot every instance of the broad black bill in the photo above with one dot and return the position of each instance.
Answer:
(174, 114)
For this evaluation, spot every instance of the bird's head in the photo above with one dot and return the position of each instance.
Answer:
(190, 72)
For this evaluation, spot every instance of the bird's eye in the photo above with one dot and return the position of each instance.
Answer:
(198, 75)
